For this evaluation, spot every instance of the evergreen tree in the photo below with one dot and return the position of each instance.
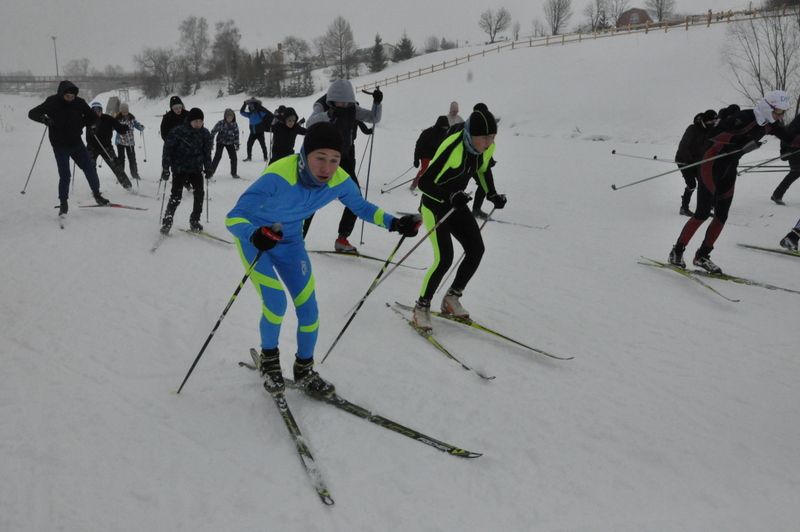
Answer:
(405, 49)
(377, 57)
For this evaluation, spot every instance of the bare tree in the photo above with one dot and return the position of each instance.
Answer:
(595, 12)
(225, 52)
(557, 14)
(194, 43)
(663, 8)
(493, 22)
(339, 44)
(615, 8)
(161, 64)
(515, 29)
(77, 68)
(296, 47)
(431, 44)
(764, 55)
(537, 28)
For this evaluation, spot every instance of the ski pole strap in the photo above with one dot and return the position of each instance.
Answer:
(698, 163)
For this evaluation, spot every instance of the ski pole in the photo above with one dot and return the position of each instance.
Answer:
(361, 302)
(407, 181)
(73, 176)
(787, 155)
(698, 163)
(111, 162)
(369, 168)
(222, 316)
(398, 177)
(163, 198)
(144, 146)
(34, 161)
(208, 198)
(464, 253)
(653, 158)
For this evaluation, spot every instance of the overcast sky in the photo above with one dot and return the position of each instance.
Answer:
(112, 31)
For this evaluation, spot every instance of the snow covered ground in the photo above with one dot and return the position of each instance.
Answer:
(679, 411)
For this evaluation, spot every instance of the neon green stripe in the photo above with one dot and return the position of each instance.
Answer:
(285, 167)
(234, 221)
(260, 279)
(430, 220)
(309, 328)
(270, 316)
(338, 178)
(378, 218)
(303, 296)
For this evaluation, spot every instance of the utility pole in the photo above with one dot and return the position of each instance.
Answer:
(55, 52)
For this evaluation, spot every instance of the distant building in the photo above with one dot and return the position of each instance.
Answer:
(633, 17)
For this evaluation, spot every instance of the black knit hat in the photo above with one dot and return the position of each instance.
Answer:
(482, 123)
(709, 115)
(195, 114)
(480, 106)
(322, 135)
(175, 100)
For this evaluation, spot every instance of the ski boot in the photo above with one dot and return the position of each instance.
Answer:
(166, 225)
(676, 256)
(451, 304)
(194, 226)
(478, 213)
(99, 199)
(309, 380)
(343, 246)
(270, 367)
(687, 196)
(777, 199)
(702, 259)
(63, 208)
(790, 240)
(421, 315)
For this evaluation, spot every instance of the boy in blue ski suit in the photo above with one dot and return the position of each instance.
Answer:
(268, 218)
(260, 119)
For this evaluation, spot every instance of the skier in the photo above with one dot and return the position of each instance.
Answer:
(462, 155)
(226, 132)
(340, 108)
(426, 145)
(98, 142)
(187, 150)
(260, 120)
(284, 133)
(690, 151)
(65, 115)
(125, 141)
(452, 116)
(172, 118)
(792, 159)
(289, 191)
(792, 237)
(736, 135)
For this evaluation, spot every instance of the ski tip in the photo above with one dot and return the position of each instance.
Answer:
(613, 152)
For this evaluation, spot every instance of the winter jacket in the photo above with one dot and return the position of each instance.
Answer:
(451, 169)
(793, 128)
(430, 138)
(105, 129)
(282, 195)
(344, 118)
(68, 118)
(738, 130)
(187, 150)
(127, 138)
(283, 139)
(260, 118)
(170, 121)
(226, 133)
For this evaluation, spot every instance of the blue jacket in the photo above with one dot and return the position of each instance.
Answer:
(259, 117)
(280, 195)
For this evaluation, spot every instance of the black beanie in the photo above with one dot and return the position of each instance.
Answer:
(322, 135)
(709, 115)
(195, 114)
(482, 123)
(480, 107)
(175, 100)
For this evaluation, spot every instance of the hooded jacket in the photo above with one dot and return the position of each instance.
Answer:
(430, 138)
(226, 133)
(344, 118)
(283, 136)
(68, 118)
(690, 148)
(187, 150)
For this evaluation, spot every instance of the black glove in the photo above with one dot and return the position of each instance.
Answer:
(459, 199)
(499, 200)
(164, 175)
(750, 146)
(407, 225)
(302, 121)
(416, 163)
(93, 129)
(377, 96)
(46, 120)
(209, 174)
(265, 238)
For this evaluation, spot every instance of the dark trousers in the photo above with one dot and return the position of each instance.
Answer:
(784, 185)
(218, 156)
(131, 152)
(716, 186)
(462, 226)
(348, 220)
(252, 139)
(477, 203)
(80, 155)
(178, 181)
(106, 152)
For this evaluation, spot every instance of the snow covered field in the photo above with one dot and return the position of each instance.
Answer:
(679, 411)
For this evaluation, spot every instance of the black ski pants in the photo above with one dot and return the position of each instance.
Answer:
(178, 181)
(231, 149)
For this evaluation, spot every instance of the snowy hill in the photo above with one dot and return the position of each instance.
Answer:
(678, 412)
